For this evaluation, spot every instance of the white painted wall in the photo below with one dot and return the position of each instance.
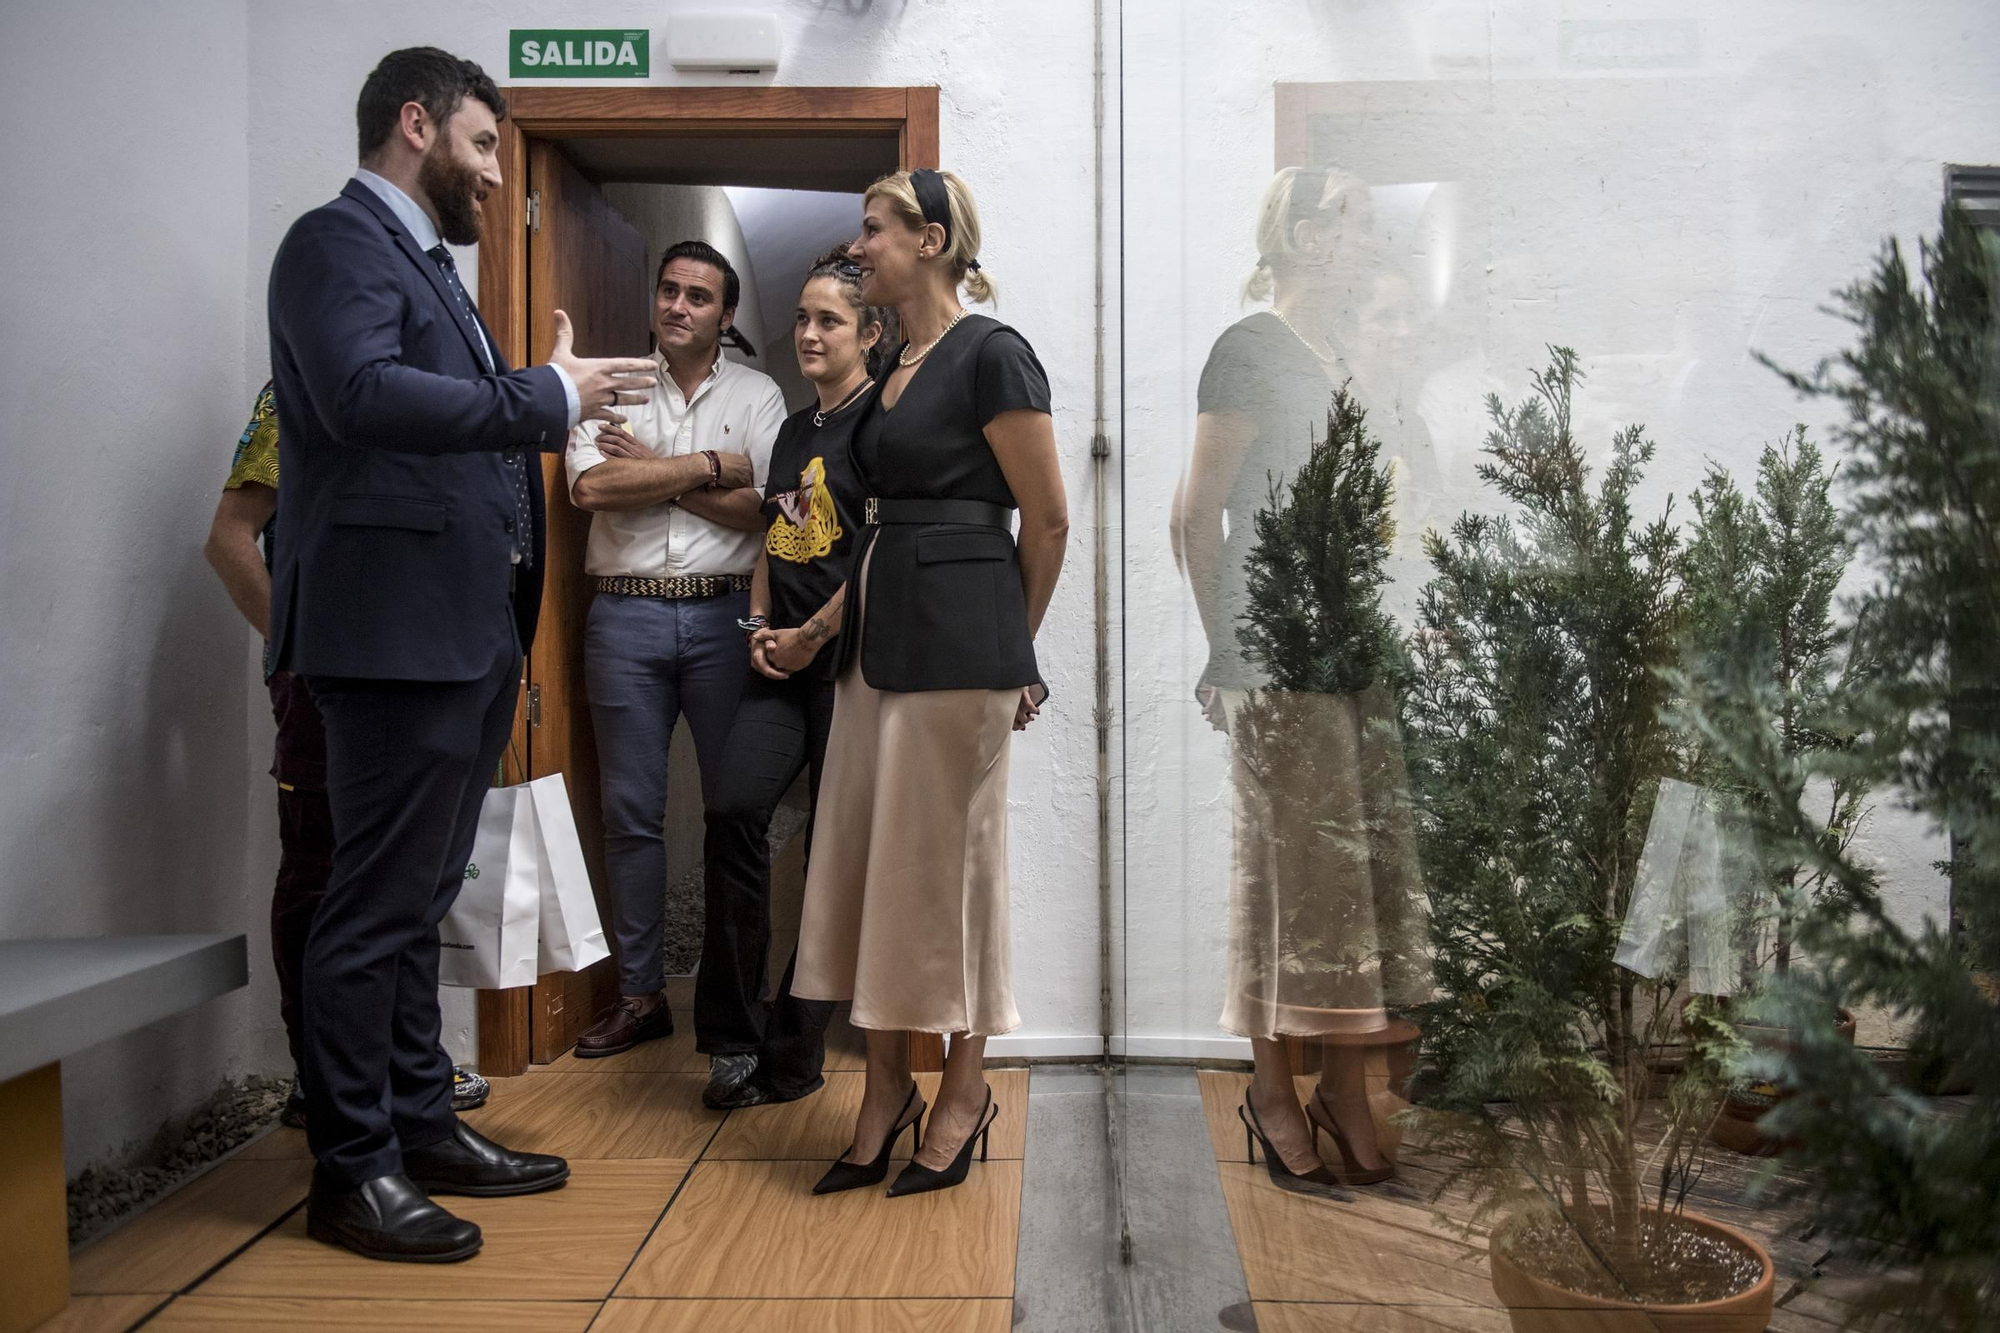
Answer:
(1664, 220)
(134, 733)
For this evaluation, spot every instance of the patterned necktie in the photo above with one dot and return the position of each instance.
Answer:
(517, 467)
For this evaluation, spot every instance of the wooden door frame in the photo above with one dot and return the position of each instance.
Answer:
(910, 113)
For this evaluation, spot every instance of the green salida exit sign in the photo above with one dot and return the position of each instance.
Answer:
(580, 53)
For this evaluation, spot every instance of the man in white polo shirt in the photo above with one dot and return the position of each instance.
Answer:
(677, 495)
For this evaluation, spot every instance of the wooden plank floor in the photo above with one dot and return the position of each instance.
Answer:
(677, 1218)
(694, 1219)
(1403, 1257)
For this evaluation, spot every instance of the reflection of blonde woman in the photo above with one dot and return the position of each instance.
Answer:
(1312, 916)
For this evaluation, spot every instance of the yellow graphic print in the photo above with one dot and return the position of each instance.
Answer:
(806, 526)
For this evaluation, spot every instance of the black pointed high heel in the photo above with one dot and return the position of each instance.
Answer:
(846, 1175)
(1318, 1182)
(1352, 1172)
(914, 1179)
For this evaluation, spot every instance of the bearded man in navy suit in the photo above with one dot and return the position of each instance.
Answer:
(404, 588)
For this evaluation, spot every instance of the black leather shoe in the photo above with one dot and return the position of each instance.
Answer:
(388, 1218)
(470, 1163)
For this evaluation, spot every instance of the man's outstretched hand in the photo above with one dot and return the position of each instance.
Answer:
(602, 383)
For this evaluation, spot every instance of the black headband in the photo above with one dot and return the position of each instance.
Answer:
(1307, 187)
(935, 201)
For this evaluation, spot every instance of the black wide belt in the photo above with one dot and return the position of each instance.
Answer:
(975, 513)
(686, 585)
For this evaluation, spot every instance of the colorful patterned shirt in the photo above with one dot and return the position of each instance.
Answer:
(256, 460)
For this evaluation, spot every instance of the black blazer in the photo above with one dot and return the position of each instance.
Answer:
(943, 604)
(396, 516)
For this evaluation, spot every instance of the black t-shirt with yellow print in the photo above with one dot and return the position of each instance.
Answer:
(813, 502)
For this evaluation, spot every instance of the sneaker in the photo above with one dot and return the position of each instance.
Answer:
(468, 1090)
(294, 1114)
(726, 1076)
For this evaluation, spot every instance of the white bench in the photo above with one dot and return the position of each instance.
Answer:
(58, 997)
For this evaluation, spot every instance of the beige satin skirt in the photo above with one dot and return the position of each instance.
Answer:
(1327, 914)
(906, 898)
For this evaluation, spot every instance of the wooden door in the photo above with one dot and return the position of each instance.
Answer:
(587, 261)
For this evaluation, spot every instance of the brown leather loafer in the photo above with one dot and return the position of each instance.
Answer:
(623, 1028)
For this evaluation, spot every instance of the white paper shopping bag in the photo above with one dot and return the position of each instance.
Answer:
(490, 937)
(572, 937)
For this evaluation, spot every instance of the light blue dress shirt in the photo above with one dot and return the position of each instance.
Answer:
(424, 232)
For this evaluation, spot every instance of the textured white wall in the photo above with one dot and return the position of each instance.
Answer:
(134, 734)
(1665, 220)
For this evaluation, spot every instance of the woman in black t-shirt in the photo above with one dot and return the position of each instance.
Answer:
(813, 503)
(906, 904)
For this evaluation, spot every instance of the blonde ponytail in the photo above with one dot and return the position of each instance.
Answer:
(981, 288)
(1257, 287)
(1276, 244)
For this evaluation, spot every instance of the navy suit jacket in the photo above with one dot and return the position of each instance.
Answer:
(396, 516)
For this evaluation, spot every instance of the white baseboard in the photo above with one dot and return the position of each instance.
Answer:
(1181, 1048)
(1038, 1046)
(1033, 1046)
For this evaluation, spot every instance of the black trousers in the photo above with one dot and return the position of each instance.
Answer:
(781, 727)
(408, 763)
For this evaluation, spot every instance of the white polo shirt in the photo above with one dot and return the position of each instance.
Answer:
(736, 410)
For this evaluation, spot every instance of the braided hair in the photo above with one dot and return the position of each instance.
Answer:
(837, 265)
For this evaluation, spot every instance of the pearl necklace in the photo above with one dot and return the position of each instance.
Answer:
(906, 360)
(1327, 358)
(820, 417)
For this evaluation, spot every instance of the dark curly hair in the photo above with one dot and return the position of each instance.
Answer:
(436, 80)
(836, 264)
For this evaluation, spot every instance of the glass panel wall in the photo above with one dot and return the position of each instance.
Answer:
(1558, 591)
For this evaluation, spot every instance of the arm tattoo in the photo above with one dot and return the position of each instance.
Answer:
(813, 631)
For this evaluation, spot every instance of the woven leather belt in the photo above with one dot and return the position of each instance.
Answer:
(688, 585)
(976, 513)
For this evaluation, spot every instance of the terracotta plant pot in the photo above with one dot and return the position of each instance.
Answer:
(1737, 1128)
(1539, 1306)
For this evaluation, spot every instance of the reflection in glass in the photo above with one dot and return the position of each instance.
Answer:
(1284, 526)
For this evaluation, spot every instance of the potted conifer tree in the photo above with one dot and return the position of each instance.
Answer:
(1536, 745)
(1901, 1180)
(1335, 893)
(1761, 575)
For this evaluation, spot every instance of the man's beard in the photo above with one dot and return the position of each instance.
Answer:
(453, 189)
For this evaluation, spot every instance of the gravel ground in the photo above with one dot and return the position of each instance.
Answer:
(237, 1113)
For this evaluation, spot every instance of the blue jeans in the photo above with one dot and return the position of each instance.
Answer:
(646, 661)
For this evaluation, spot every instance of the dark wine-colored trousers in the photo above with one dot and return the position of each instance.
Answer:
(781, 727)
(305, 841)
(408, 764)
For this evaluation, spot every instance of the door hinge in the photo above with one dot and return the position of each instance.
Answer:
(534, 705)
(535, 211)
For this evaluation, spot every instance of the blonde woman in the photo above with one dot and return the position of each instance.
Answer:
(1321, 926)
(906, 902)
